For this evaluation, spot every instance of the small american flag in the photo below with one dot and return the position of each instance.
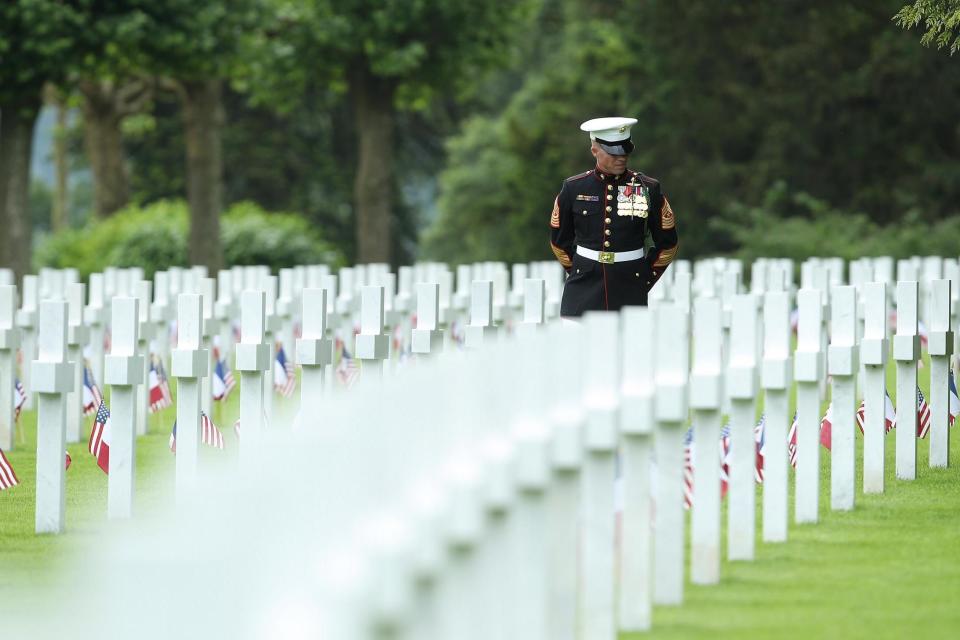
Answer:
(347, 370)
(284, 380)
(210, 434)
(99, 444)
(890, 414)
(19, 398)
(164, 382)
(923, 415)
(91, 392)
(792, 442)
(223, 382)
(688, 469)
(8, 478)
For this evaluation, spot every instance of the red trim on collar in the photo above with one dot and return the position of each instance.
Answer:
(604, 177)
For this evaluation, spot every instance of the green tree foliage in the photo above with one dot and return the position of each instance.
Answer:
(797, 225)
(941, 18)
(156, 237)
(821, 96)
(40, 41)
(386, 56)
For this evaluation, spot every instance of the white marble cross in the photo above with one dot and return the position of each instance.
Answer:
(77, 336)
(601, 436)
(706, 403)
(777, 380)
(940, 346)
(906, 353)
(481, 314)
(95, 316)
(314, 353)
(52, 378)
(742, 388)
(211, 327)
(426, 338)
(843, 366)
(808, 372)
(567, 417)
(254, 358)
(27, 321)
(534, 305)
(874, 353)
(161, 313)
(224, 312)
(671, 352)
(372, 344)
(142, 290)
(286, 311)
(271, 328)
(123, 371)
(9, 343)
(190, 364)
(636, 448)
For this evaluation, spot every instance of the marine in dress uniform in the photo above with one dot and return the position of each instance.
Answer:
(599, 226)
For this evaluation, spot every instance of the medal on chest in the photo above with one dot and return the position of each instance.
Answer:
(632, 199)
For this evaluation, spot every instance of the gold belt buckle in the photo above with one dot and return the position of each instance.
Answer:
(606, 257)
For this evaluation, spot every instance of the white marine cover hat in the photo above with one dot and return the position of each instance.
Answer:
(611, 134)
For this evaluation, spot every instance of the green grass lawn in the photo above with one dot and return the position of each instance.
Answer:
(889, 569)
(28, 558)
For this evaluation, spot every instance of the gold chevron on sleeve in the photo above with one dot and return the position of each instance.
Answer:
(667, 220)
(561, 256)
(555, 216)
(666, 256)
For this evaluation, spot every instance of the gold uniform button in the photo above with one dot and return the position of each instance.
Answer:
(609, 196)
(584, 212)
(637, 274)
(606, 220)
(606, 243)
(609, 187)
(609, 208)
(606, 231)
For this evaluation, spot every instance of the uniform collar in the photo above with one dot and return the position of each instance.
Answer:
(609, 177)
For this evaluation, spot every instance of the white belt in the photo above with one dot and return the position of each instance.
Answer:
(609, 257)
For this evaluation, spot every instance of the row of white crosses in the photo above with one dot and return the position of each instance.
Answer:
(89, 319)
(511, 459)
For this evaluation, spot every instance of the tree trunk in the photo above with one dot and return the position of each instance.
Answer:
(17, 120)
(373, 186)
(59, 217)
(103, 142)
(203, 116)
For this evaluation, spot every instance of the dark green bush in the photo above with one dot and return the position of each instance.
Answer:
(155, 237)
